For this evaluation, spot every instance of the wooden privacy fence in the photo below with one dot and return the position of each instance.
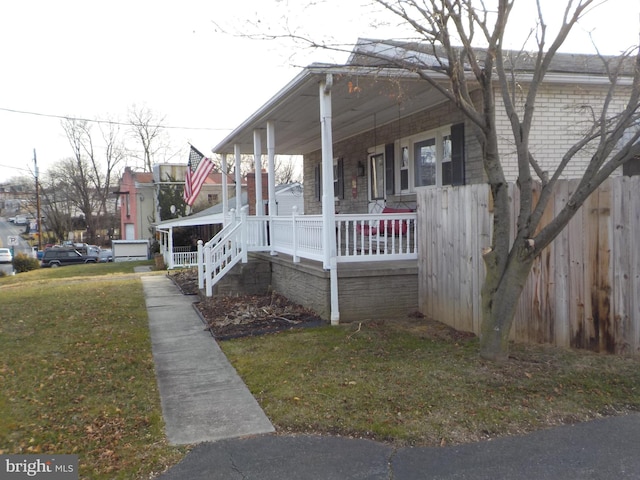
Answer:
(583, 290)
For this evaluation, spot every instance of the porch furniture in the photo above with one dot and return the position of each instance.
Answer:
(378, 233)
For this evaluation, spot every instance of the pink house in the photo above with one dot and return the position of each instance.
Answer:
(137, 205)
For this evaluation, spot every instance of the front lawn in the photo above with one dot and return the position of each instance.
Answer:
(419, 383)
(77, 374)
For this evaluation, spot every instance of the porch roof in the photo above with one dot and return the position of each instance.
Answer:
(209, 216)
(370, 84)
(357, 94)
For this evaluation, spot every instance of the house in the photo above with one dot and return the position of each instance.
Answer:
(171, 175)
(137, 204)
(140, 193)
(372, 136)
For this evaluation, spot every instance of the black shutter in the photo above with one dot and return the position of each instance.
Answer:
(318, 180)
(339, 181)
(390, 168)
(457, 154)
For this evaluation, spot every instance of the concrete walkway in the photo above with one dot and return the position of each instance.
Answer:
(203, 398)
(205, 402)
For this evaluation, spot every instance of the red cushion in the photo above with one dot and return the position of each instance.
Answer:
(398, 226)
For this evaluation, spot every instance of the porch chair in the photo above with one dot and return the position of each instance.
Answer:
(385, 228)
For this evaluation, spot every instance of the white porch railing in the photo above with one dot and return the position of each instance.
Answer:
(359, 238)
(376, 237)
(185, 259)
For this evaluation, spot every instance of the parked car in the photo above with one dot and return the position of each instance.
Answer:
(5, 255)
(57, 257)
(105, 255)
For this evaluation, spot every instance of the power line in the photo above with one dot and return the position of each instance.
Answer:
(108, 122)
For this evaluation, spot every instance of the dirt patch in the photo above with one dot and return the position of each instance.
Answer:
(245, 315)
(186, 280)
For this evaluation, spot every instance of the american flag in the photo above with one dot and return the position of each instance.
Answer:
(198, 168)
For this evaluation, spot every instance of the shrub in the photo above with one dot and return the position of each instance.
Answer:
(25, 263)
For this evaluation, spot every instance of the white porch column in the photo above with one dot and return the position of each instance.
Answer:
(257, 157)
(328, 199)
(271, 178)
(170, 234)
(236, 151)
(271, 152)
(225, 190)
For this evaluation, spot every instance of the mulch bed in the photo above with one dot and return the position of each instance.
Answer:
(249, 315)
(230, 317)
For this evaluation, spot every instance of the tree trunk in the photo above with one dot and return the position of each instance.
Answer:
(500, 296)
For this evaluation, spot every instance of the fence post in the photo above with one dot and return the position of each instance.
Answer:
(200, 263)
(294, 234)
(243, 232)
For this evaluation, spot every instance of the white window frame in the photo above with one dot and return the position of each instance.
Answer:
(409, 143)
(371, 154)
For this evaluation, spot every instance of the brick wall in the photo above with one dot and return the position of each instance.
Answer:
(562, 116)
(251, 191)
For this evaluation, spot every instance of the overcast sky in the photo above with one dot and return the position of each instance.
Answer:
(95, 59)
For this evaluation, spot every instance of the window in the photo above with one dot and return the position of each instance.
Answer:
(376, 176)
(424, 158)
(404, 169)
(446, 160)
(434, 158)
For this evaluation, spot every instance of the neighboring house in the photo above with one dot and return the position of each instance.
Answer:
(372, 136)
(138, 197)
(137, 205)
(174, 174)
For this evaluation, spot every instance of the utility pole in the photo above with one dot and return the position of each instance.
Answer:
(38, 222)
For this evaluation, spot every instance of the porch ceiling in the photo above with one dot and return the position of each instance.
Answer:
(357, 95)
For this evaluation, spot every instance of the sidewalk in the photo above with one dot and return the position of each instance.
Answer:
(205, 402)
(203, 398)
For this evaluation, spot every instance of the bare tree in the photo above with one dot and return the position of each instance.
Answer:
(114, 155)
(89, 174)
(147, 130)
(465, 40)
(77, 173)
(285, 170)
(55, 204)
(452, 29)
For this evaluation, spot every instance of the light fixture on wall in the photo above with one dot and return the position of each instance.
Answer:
(360, 169)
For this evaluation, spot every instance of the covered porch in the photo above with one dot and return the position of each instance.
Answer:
(365, 211)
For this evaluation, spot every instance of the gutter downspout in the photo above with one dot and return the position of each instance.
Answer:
(328, 201)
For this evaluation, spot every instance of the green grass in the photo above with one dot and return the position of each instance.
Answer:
(85, 270)
(401, 385)
(77, 374)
